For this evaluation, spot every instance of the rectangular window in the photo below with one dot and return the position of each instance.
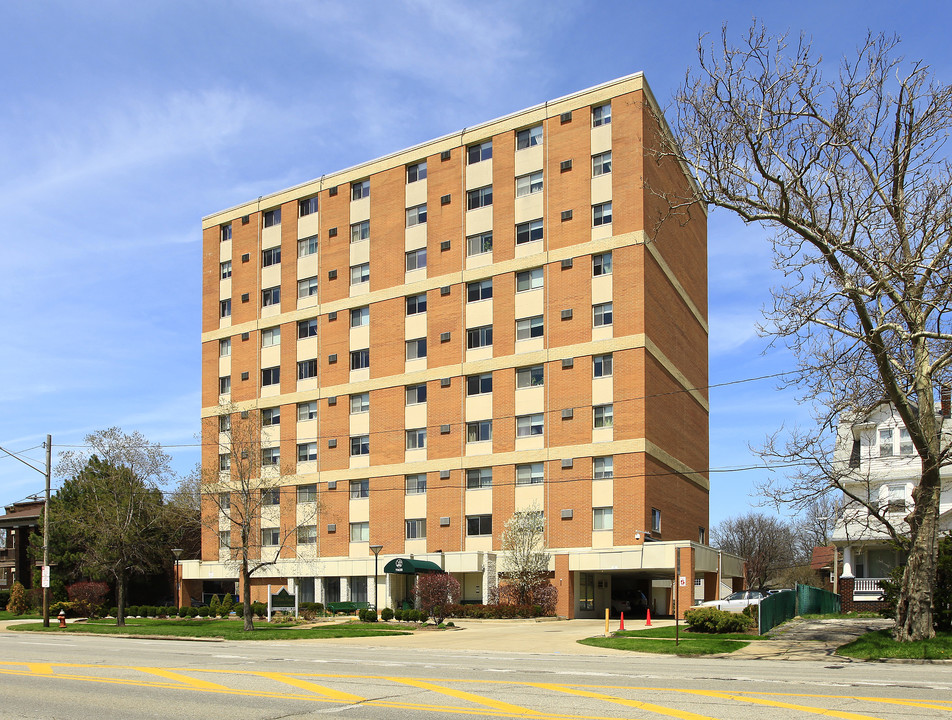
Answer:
(225, 232)
(479, 478)
(224, 308)
(359, 489)
(533, 376)
(480, 197)
(359, 273)
(360, 445)
(360, 532)
(270, 376)
(602, 314)
(416, 172)
(602, 164)
(307, 287)
(270, 537)
(602, 264)
(479, 244)
(360, 359)
(529, 328)
(360, 231)
(307, 493)
(479, 525)
(529, 137)
(416, 439)
(225, 268)
(479, 290)
(586, 591)
(270, 296)
(224, 385)
(271, 256)
(224, 462)
(307, 328)
(416, 304)
(271, 336)
(479, 337)
(479, 431)
(655, 520)
(603, 415)
(602, 518)
(602, 366)
(306, 369)
(416, 529)
(602, 115)
(416, 349)
(905, 442)
(359, 190)
(416, 394)
(416, 259)
(272, 217)
(895, 498)
(307, 535)
(307, 246)
(885, 442)
(529, 279)
(416, 484)
(224, 423)
(307, 451)
(531, 474)
(530, 425)
(528, 232)
(360, 316)
(270, 457)
(224, 501)
(529, 184)
(224, 347)
(307, 411)
(359, 403)
(224, 538)
(702, 539)
(270, 416)
(602, 214)
(307, 206)
(479, 384)
(603, 467)
(478, 153)
(416, 215)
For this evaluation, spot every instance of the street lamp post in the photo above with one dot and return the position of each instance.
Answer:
(177, 552)
(376, 551)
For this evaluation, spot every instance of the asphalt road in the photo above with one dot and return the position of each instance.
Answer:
(79, 678)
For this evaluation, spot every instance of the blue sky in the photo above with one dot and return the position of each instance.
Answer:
(124, 123)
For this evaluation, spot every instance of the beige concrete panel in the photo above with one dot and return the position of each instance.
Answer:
(224, 323)
(270, 515)
(415, 237)
(360, 252)
(307, 385)
(271, 391)
(479, 448)
(477, 354)
(306, 349)
(529, 160)
(307, 467)
(359, 210)
(604, 332)
(270, 435)
(308, 266)
(530, 249)
(358, 549)
(529, 303)
(224, 442)
(415, 326)
(308, 225)
(479, 175)
(414, 506)
(602, 391)
(479, 407)
(272, 311)
(530, 495)
(601, 139)
(417, 365)
(361, 375)
(224, 289)
(603, 538)
(479, 313)
(415, 456)
(415, 547)
(415, 416)
(271, 472)
(359, 509)
(224, 250)
(603, 493)
(360, 288)
(416, 193)
(530, 400)
(536, 442)
(414, 276)
(530, 345)
(602, 188)
(479, 261)
(271, 356)
(359, 422)
(224, 366)
(482, 542)
(358, 462)
(602, 289)
(530, 207)
(478, 501)
(270, 237)
(479, 220)
(359, 337)
(311, 301)
(603, 435)
(602, 232)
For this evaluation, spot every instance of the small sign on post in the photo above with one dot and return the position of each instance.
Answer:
(682, 581)
(45, 576)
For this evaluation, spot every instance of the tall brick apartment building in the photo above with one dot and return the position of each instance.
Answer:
(486, 322)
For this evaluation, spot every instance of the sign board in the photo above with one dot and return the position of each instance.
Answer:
(682, 581)
(45, 576)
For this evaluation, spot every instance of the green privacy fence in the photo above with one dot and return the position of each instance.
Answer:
(805, 600)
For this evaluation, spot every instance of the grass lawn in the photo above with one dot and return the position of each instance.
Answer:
(226, 629)
(668, 632)
(879, 644)
(4, 615)
(696, 644)
(841, 616)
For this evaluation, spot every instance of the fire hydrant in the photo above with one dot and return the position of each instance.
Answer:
(62, 618)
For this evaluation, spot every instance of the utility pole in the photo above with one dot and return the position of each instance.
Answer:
(45, 572)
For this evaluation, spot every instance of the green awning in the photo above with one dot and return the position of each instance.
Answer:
(407, 566)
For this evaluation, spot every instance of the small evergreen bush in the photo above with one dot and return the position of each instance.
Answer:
(398, 614)
(19, 603)
(386, 614)
(193, 612)
(183, 611)
(204, 611)
(712, 620)
(370, 616)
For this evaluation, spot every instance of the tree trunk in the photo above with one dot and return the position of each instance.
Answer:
(246, 596)
(121, 600)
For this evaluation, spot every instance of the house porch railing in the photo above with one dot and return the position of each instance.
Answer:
(868, 586)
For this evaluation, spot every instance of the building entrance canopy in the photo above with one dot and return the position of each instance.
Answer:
(407, 566)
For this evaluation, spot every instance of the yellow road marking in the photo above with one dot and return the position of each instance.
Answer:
(39, 668)
(651, 707)
(786, 706)
(179, 677)
(313, 687)
(471, 697)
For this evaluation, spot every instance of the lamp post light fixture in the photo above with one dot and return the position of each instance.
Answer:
(177, 552)
(376, 551)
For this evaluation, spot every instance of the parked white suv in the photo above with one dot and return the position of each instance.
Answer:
(736, 602)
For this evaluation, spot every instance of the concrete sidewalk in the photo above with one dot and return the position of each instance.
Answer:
(800, 639)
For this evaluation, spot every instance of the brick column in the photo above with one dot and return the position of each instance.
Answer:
(686, 593)
(846, 594)
(565, 584)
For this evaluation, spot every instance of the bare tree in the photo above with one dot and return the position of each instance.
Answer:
(853, 176)
(240, 490)
(815, 524)
(525, 560)
(766, 542)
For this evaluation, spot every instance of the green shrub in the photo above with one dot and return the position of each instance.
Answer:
(183, 611)
(712, 620)
(386, 614)
(362, 614)
(114, 611)
(753, 612)
(193, 612)
(131, 610)
(239, 609)
(416, 616)
(19, 602)
(398, 614)
(259, 609)
(204, 611)
(370, 616)
(215, 603)
(223, 611)
(228, 602)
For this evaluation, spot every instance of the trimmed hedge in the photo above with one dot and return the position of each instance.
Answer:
(712, 620)
(494, 611)
(386, 614)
